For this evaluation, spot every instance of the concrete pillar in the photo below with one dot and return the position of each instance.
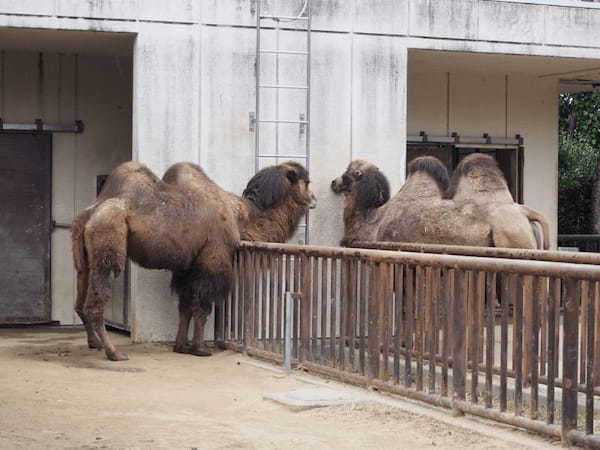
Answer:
(166, 129)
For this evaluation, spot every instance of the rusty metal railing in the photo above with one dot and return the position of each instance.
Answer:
(426, 326)
(490, 252)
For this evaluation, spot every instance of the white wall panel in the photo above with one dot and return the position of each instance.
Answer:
(379, 104)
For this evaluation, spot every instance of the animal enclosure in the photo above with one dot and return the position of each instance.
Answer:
(505, 338)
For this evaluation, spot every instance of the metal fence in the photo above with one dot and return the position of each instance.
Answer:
(511, 340)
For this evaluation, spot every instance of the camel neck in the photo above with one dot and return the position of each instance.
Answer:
(271, 225)
(359, 223)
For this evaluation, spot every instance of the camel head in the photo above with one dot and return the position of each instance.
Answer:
(276, 185)
(365, 183)
(476, 173)
(431, 167)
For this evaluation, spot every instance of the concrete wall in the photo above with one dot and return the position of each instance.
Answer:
(60, 88)
(361, 115)
(501, 105)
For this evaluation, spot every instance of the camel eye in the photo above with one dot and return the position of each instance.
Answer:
(357, 174)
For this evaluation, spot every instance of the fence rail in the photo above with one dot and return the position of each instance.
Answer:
(493, 252)
(426, 326)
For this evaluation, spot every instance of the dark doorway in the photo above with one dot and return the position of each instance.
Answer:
(509, 159)
(25, 223)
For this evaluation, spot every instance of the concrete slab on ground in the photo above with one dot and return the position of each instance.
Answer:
(316, 397)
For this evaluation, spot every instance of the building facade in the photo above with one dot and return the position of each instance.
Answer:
(162, 82)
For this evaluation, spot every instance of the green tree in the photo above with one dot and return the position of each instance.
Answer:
(579, 142)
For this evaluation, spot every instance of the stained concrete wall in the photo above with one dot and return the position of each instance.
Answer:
(60, 88)
(501, 105)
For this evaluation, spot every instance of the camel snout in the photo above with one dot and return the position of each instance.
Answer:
(313, 201)
(336, 185)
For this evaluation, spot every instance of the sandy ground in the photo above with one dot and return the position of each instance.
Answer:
(55, 393)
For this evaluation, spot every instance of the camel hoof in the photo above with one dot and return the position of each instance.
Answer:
(117, 356)
(182, 349)
(200, 351)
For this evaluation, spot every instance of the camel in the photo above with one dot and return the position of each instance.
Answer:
(422, 211)
(184, 223)
(479, 180)
(366, 191)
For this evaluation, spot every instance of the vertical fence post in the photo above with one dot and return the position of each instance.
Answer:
(373, 328)
(459, 359)
(570, 353)
(248, 298)
(288, 328)
(490, 332)
(305, 302)
(589, 400)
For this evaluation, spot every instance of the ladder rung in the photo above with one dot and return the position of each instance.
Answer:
(283, 121)
(285, 52)
(281, 86)
(283, 156)
(283, 17)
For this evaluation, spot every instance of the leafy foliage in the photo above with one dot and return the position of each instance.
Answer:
(579, 143)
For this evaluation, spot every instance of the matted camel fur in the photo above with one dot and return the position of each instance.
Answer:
(476, 213)
(183, 223)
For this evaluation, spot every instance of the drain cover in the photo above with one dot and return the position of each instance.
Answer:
(312, 398)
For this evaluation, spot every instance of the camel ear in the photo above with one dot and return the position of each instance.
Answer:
(267, 188)
(372, 190)
(292, 175)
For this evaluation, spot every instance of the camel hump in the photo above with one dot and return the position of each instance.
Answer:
(482, 166)
(130, 168)
(431, 166)
(186, 171)
(480, 163)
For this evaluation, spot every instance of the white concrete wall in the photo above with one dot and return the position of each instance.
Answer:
(501, 105)
(166, 129)
(95, 89)
(362, 114)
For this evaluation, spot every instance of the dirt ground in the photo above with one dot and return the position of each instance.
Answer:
(55, 393)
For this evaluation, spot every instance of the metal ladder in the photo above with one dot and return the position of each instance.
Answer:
(275, 22)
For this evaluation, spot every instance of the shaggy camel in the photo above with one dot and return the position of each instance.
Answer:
(183, 223)
(421, 212)
(366, 191)
(478, 179)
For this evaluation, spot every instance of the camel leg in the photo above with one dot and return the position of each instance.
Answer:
(99, 292)
(82, 289)
(199, 347)
(181, 341)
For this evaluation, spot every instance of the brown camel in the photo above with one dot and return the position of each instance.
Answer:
(421, 212)
(183, 223)
(366, 194)
(366, 191)
(478, 179)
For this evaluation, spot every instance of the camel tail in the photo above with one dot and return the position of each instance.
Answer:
(78, 245)
(535, 216)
